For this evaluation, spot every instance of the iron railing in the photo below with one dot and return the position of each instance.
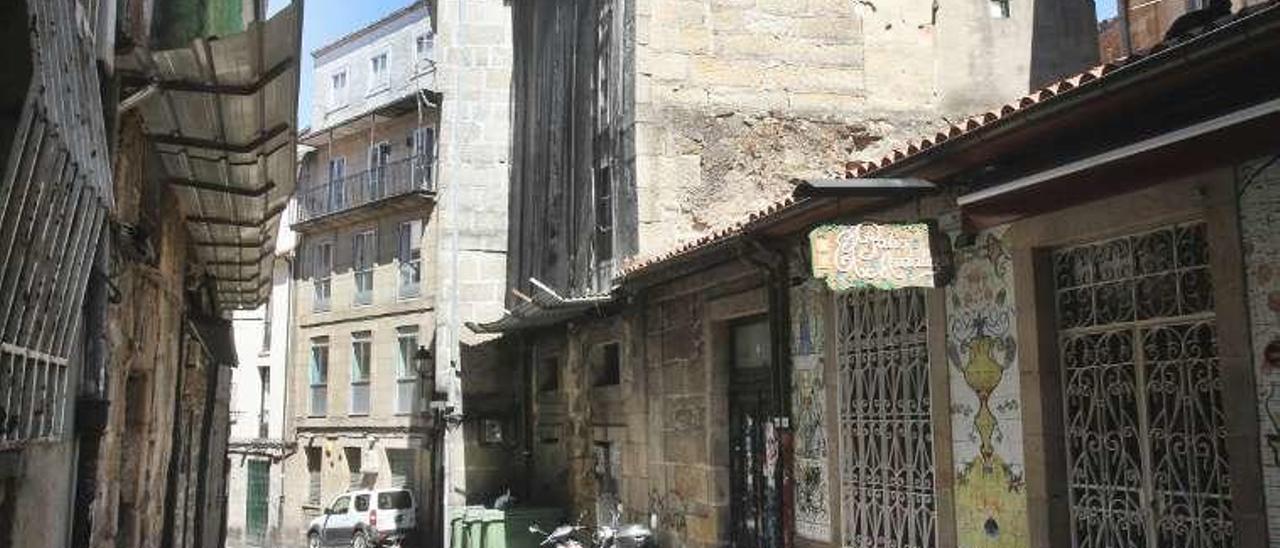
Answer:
(405, 176)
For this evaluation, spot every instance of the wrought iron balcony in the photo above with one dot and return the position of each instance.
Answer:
(412, 176)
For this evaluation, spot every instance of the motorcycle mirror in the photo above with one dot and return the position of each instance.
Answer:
(533, 528)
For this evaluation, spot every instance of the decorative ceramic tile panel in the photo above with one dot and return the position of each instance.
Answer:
(1260, 231)
(986, 404)
(813, 516)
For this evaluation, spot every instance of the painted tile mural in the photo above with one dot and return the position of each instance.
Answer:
(986, 408)
(1260, 232)
(813, 516)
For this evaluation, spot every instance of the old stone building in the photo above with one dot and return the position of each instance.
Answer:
(363, 295)
(639, 124)
(1044, 325)
(137, 215)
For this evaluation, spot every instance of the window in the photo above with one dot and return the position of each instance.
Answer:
(264, 392)
(266, 327)
(409, 254)
(607, 367)
(604, 217)
(364, 248)
(313, 476)
(406, 370)
(999, 8)
(422, 46)
(353, 465)
(379, 157)
(319, 376)
(379, 76)
(402, 473)
(362, 503)
(341, 505)
(602, 186)
(361, 350)
(549, 374)
(424, 151)
(338, 90)
(395, 500)
(321, 270)
(337, 183)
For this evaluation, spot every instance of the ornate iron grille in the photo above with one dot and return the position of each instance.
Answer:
(886, 438)
(1145, 431)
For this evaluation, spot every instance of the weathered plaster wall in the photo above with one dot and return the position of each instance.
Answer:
(143, 339)
(986, 403)
(1260, 232)
(734, 98)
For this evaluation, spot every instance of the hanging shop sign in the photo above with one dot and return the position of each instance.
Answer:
(884, 256)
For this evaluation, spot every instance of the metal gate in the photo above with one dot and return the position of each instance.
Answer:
(1145, 431)
(255, 522)
(886, 437)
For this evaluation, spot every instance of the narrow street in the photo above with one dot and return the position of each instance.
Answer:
(639, 273)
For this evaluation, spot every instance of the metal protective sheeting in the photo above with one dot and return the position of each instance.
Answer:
(544, 307)
(224, 122)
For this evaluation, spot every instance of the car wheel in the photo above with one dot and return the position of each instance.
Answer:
(313, 541)
(359, 541)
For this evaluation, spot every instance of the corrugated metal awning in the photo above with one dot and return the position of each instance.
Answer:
(544, 307)
(222, 115)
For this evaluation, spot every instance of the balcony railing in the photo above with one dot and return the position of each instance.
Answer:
(406, 176)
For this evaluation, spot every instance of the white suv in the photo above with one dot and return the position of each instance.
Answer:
(365, 518)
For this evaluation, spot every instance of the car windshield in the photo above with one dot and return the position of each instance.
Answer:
(394, 500)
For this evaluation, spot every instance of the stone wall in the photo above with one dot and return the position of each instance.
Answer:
(734, 98)
(474, 48)
(143, 345)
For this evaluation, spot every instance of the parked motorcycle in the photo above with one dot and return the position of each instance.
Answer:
(605, 536)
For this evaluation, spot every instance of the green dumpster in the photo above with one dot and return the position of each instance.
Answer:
(510, 528)
(461, 521)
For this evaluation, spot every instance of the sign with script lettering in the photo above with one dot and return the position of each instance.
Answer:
(885, 256)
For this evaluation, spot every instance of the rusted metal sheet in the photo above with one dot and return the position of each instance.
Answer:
(223, 121)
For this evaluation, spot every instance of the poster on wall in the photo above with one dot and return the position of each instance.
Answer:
(884, 256)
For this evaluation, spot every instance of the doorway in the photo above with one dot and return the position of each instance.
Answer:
(751, 469)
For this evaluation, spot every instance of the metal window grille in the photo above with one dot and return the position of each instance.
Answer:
(361, 349)
(33, 395)
(1144, 422)
(886, 433)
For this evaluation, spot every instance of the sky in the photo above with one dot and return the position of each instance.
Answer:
(325, 21)
(1105, 9)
